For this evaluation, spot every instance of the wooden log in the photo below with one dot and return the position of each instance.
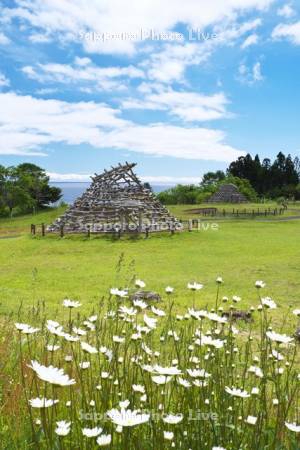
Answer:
(140, 226)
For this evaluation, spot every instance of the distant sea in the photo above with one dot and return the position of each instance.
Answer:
(72, 190)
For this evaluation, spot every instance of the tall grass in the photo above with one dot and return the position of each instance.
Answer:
(135, 376)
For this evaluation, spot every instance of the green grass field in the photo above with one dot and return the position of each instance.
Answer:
(37, 269)
(51, 268)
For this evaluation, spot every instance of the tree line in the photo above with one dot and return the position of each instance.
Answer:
(254, 178)
(25, 188)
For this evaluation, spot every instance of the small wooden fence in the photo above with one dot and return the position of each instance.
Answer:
(214, 212)
(41, 230)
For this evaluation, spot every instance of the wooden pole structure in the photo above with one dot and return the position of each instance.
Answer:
(43, 229)
(61, 231)
(32, 229)
(140, 227)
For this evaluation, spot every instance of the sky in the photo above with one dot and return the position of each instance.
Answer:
(180, 88)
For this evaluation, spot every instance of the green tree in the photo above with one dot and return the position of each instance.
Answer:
(34, 180)
(12, 194)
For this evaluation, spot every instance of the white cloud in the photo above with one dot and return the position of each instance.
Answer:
(28, 124)
(4, 39)
(82, 72)
(169, 64)
(290, 32)
(250, 75)
(286, 11)
(169, 180)
(175, 141)
(4, 82)
(189, 106)
(153, 179)
(65, 20)
(250, 40)
(257, 75)
(54, 176)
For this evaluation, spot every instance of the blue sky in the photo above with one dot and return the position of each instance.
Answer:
(85, 85)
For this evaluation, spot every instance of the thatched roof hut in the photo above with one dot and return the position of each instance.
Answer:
(116, 198)
(227, 193)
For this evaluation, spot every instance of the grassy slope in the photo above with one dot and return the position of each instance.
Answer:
(52, 268)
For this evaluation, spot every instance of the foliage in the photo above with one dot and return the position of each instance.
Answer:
(192, 194)
(280, 178)
(25, 187)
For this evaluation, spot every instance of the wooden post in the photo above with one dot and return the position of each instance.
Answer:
(88, 231)
(171, 228)
(140, 227)
(43, 229)
(190, 224)
(32, 229)
(61, 231)
(147, 231)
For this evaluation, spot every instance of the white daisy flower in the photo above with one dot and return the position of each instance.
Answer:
(84, 365)
(127, 311)
(260, 284)
(93, 318)
(140, 304)
(158, 312)
(88, 348)
(51, 374)
(118, 339)
(91, 432)
(127, 418)
(183, 382)
(195, 286)
(255, 391)
(52, 348)
(79, 331)
(279, 338)
(150, 322)
(251, 420)
(235, 392)
(268, 303)
(293, 427)
(42, 402)
(169, 290)
(67, 303)
(63, 428)
(173, 419)
(198, 373)
(26, 329)
(256, 371)
(140, 283)
(168, 435)
(119, 292)
(166, 370)
(161, 379)
(277, 355)
(52, 323)
(138, 388)
(103, 440)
